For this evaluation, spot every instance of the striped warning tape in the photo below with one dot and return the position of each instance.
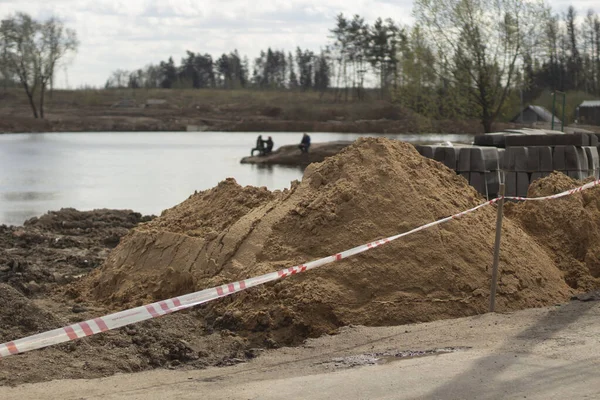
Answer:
(587, 186)
(160, 308)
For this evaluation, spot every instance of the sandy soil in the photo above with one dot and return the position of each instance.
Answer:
(548, 353)
(231, 232)
(39, 261)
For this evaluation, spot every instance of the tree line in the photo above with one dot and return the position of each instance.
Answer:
(272, 69)
(483, 55)
(462, 59)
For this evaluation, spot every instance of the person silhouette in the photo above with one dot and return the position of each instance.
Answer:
(260, 147)
(304, 143)
(269, 144)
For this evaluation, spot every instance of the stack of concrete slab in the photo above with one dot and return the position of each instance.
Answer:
(571, 160)
(523, 158)
(530, 157)
(516, 163)
(497, 139)
(480, 166)
(447, 155)
(523, 165)
(576, 139)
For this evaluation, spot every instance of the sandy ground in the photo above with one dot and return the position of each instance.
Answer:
(548, 353)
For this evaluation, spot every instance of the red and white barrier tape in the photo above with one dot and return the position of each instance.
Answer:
(559, 195)
(160, 308)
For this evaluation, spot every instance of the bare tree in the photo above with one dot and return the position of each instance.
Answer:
(55, 43)
(32, 50)
(483, 41)
(118, 79)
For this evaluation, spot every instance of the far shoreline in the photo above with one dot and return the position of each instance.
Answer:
(131, 110)
(382, 127)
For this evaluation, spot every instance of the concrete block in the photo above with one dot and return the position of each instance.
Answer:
(538, 175)
(492, 183)
(465, 174)
(545, 158)
(582, 158)
(451, 157)
(533, 159)
(425, 150)
(491, 140)
(501, 155)
(526, 140)
(464, 159)
(484, 159)
(584, 137)
(593, 139)
(439, 153)
(593, 159)
(522, 184)
(576, 139)
(511, 183)
(477, 180)
(483, 140)
(569, 158)
(558, 158)
(516, 159)
(580, 175)
(539, 159)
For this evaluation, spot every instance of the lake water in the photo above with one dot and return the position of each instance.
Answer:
(143, 171)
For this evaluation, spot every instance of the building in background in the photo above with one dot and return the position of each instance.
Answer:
(535, 114)
(589, 112)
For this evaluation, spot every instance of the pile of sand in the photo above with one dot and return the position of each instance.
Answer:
(569, 228)
(372, 189)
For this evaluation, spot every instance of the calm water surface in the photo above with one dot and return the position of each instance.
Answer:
(143, 171)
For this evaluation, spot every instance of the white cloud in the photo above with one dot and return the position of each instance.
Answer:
(129, 34)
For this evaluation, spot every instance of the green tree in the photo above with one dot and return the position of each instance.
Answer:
(305, 61)
(168, 73)
(381, 49)
(358, 45)
(574, 63)
(322, 72)
(419, 74)
(341, 49)
(293, 78)
(485, 39)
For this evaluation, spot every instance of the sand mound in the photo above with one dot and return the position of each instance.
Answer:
(372, 189)
(569, 228)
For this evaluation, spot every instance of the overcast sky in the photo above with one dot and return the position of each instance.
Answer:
(129, 34)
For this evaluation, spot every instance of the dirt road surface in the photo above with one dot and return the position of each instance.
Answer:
(549, 353)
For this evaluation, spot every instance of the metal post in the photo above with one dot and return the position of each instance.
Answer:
(553, 108)
(562, 128)
(499, 216)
